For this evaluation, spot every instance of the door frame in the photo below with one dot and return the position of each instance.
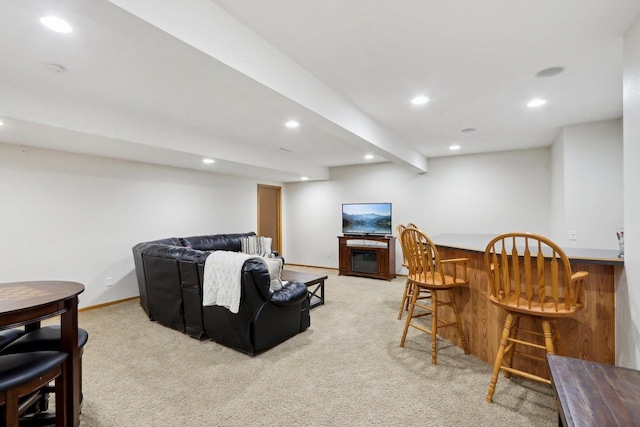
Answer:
(278, 214)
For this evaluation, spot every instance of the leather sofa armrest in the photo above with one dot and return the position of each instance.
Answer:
(292, 293)
(256, 276)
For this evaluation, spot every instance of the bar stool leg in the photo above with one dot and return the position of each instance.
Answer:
(548, 336)
(508, 361)
(11, 408)
(414, 297)
(62, 417)
(405, 299)
(454, 305)
(496, 367)
(434, 327)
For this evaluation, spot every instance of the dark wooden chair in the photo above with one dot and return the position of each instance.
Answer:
(529, 277)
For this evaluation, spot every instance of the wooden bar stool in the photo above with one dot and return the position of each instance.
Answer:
(408, 287)
(24, 373)
(529, 277)
(426, 272)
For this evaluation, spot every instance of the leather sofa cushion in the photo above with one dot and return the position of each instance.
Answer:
(216, 242)
(168, 241)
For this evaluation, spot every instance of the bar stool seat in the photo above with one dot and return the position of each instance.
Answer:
(23, 373)
(45, 338)
(8, 336)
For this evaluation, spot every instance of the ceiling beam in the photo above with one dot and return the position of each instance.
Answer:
(208, 28)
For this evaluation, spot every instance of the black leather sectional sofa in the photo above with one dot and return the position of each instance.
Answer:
(170, 273)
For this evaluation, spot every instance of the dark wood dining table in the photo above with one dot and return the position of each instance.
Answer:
(28, 303)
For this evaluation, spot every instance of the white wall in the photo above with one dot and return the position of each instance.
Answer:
(588, 186)
(628, 289)
(485, 193)
(558, 227)
(73, 217)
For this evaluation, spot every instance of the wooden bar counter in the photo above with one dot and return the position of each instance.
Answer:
(590, 335)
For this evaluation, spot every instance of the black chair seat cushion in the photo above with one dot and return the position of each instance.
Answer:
(45, 338)
(19, 369)
(8, 336)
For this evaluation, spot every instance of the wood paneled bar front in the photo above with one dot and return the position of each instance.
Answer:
(590, 335)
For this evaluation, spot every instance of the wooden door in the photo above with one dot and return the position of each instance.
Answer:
(269, 217)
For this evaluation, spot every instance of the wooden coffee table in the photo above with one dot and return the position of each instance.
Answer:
(595, 394)
(314, 283)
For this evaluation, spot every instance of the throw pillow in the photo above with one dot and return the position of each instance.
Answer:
(274, 265)
(266, 248)
(254, 245)
(246, 246)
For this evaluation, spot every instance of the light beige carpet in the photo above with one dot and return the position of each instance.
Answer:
(347, 369)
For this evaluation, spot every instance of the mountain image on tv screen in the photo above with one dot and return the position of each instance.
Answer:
(366, 218)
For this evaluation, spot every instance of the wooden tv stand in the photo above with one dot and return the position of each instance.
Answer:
(367, 256)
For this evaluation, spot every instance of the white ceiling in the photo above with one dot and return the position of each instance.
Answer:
(171, 82)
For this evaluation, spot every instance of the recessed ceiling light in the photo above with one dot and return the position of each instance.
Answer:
(292, 124)
(454, 147)
(368, 156)
(304, 178)
(56, 24)
(1, 123)
(208, 161)
(420, 100)
(55, 68)
(467, 130)
(550, 72)
(536, 103)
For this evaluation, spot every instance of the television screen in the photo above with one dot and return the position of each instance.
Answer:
(366, 218)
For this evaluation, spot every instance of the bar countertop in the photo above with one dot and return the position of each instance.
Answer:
(478, 243)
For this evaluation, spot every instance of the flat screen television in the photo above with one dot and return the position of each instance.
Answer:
(366, 218)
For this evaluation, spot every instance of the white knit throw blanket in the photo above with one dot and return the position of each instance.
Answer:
(222, 279)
